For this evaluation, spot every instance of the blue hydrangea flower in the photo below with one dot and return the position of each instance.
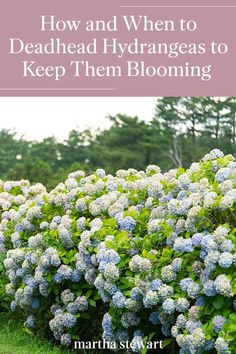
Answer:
(181, 321)
(82, 303)
(154, 318)
(69, 320)
(150, 299)
(197, 239)
(155, 284)
(223, 174)
(183, 245)
(209, 288)
(111, 186)
(193, 290)
(184, 283)
(165, 329)
(101, 172)
(64, 272)
(136, 344)
(136, 294)
(107, 324)
(128, 223)
(176, 264)
(221, 346)
(225, 260)
(217, 323)
(65, 339)
(182, 304)
(167, 274)
(30, 321)
(67, 296)
(139, 264)
(108, 256)
(192, 325)
(72, 308)
(118, 300)
(169, 306)
(122, 335)
(223, 286)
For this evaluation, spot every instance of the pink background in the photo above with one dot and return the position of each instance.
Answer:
(22, 19)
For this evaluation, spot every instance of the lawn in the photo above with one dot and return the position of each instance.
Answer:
(14, 341)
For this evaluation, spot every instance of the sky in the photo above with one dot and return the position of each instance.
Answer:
(39, 117)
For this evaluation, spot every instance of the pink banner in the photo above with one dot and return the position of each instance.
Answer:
(117, 48)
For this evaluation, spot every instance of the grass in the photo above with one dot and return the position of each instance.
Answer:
(14, 341)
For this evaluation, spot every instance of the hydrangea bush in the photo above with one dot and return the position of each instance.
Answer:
(139, 255)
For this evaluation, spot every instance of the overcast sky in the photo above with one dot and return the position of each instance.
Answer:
(38, 117)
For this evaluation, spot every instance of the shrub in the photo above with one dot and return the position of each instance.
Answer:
(150, 255)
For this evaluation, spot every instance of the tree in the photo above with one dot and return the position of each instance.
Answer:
(12, 149)
(128, 143)
(74, 149)
(182, 130)
(193, 125)
(47, 150)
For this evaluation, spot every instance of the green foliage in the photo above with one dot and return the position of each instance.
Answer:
(182, 130)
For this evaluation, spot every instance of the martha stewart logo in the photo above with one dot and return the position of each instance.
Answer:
(107, 345)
